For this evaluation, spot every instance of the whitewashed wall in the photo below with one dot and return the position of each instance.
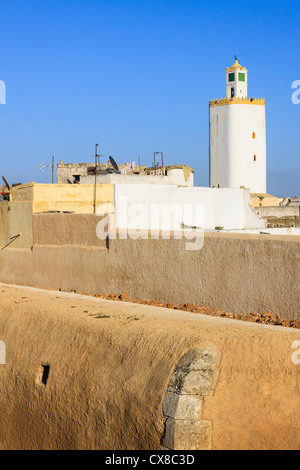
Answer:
(232, 147)
(174, 176)
(124, 179)
(165, 207)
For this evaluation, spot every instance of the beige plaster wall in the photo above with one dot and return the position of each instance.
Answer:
(112, 363)
(234, 272)
(64, 197)
(16, 219)
(264, 200)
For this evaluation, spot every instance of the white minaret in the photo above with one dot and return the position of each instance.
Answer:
(238, 136)
(236, 81)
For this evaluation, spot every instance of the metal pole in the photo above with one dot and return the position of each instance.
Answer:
(95, 185)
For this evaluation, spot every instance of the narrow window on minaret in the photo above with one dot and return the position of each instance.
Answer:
(255, 158)
(254, 135)
(232, 92)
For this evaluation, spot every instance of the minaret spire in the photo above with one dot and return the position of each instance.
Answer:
(236, 80)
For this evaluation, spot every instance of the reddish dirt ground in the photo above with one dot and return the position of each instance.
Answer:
(254, 317)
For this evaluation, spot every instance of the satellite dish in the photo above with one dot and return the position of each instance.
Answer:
(114, 164)
(6, 183)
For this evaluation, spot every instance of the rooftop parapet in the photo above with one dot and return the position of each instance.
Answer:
(226, 101)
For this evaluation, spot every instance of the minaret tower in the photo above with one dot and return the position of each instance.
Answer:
(236, 81)
(238, 136)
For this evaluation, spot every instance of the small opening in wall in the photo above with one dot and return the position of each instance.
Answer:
(255, 158)
(253, 135)
(43, 374)
(76, 179)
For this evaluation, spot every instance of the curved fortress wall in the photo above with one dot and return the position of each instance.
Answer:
(87, 374)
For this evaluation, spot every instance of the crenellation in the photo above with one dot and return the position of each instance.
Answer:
(238, 100)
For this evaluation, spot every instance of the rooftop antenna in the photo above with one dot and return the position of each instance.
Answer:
(96, 154)
(48, 166)
(97, 162)
(6, 183)
(113, 163)
(157, 154)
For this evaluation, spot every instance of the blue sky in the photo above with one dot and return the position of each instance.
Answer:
(136, 77)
